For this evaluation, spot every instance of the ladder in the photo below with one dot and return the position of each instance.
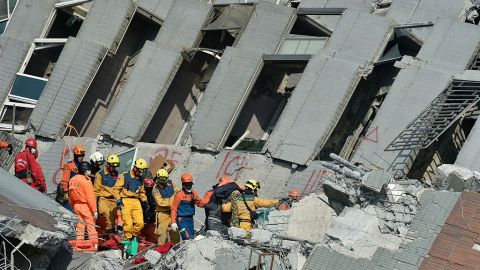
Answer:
(454, 102)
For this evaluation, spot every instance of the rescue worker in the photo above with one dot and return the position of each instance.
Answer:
(244, 204)
(183, 208)
(163, 192)
(6, 145)
(148, 231)
(104, 191)
(131, 199)
(28, 169)
(70, 169)
(293, 196)
(96, 162)
(216, 219)
(82, 200)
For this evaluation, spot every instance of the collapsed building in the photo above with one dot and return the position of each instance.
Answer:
(265, 90)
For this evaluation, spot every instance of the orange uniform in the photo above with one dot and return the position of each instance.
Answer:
(70, 169)
(83, 202)
(3, 145)
(183, 210)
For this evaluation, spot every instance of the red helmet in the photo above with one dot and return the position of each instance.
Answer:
(31, 142)
(148, 182)
(79, 150)
(187, 178)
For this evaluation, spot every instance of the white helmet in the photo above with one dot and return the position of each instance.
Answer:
(97, 157)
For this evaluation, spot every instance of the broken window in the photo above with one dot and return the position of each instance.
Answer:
(17, 113)
(265, 103)
(6, 10)
(401, 43)
(225, 25)
(307, 35)
(114, 69)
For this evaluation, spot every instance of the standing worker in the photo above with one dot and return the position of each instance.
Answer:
(148, 231)
(82, 200)
(163, 192)
(6, 145)
(245, 204)
(27, 168)
(104, 191)
(130, 197)
(96, 162)
(70, 169)
(183, 208)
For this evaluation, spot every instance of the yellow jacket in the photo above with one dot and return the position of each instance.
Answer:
(253, 202)
(104, 184)
(164, 196)
(129, 186)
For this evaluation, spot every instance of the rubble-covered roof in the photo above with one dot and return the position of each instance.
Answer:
(435, 207)
(453, 247)
(75, 69)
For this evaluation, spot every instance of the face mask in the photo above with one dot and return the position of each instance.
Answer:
(88, 172)
(33, 150)
(188, 190)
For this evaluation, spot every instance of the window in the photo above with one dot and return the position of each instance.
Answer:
(6, 11)
(127, 158)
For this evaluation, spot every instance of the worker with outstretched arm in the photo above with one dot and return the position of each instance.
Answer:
(104, 191)
(130, 197)
(163, 192)
(244, 204)
(69, 170)
(28, 169)
(82, 199)
(183, 208)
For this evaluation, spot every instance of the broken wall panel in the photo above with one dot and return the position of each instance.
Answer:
(158, 8)
(359, 37)
(74, 71)
(224, 97)
(138, 100)
(266, 27)
(469, 156)
(107, 21)
(310, 113)
(183, 24)
(416, 85)
(355, 47)
(12, 52)
(415, 11)
(29, 19)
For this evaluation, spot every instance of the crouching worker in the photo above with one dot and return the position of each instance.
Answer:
(183, 208)
(82, 200)
(130, 197)
(244, 204)
(163, 193)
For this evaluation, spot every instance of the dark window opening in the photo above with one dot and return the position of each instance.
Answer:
(65, 25)
(402, 43)
(359, 112)
(43, 59)
(173, 116)
(305, 26)
(443, 151)
(114, 70)
(264, 105)
(217, 39)
(22, 114)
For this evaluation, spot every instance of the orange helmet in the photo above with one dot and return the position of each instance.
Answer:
(187, 178)
(294, 193)
(79, 150)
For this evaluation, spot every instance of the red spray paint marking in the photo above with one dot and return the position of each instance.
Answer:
(373, 132)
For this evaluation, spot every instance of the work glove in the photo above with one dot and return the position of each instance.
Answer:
(10, 148)
(65, 196)
(174, 227)
(119, 204)
(95, 215)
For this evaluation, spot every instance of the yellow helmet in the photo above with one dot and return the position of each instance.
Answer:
(162, 173)
(113, 160)
(253, 184)
(141, 164)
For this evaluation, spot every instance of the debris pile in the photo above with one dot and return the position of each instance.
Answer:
(456, 178)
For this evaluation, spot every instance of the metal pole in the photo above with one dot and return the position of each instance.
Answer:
(346, 163)
(13, 118)
(12, 266)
